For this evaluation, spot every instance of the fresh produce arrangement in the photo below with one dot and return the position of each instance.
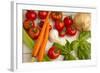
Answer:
(53, 35)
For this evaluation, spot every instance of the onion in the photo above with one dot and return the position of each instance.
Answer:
(82, 21)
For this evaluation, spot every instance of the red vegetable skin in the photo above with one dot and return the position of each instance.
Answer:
(56, 16)
(27, 24)
(70, 31)
(59, 25)
(63, 32)
(41, 24)
(53, 52)
(42, 14)
(31, 15)
(68, 21)
(34, 32)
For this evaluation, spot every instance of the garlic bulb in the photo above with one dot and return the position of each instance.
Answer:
(53, 35)
(55, 38)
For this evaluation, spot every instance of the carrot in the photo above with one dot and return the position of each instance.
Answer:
(43, 46)
(40, 38)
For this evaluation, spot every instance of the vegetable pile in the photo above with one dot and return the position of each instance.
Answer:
(81, 47)
(41, 27)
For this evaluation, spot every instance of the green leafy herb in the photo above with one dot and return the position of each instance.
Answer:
(69, 57)
(67, 46)
(75, 44)
(65, 50)
(84, 47)
(84, 35)
(46, 58)
(81, 47)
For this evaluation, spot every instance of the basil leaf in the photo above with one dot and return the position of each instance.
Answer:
(69, 57)
(68, 46)
(80, 54)
(58, 45)
(85, 53)
(46, 58)
(61, 47)
(86, 49)
(84, 35)
(74, 44)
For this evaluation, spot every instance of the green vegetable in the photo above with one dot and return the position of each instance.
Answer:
(69, 57)
(81, 47)
(65, 50)
(84, 35)
(74, 44)
(84, 47)
(46, 58)
(80, 54)
(58, 45)
(67, 46)
(27, 40)
(30, 44)
(61, 47)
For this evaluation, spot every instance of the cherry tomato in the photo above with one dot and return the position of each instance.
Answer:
(68, 21)
(34, 32)
(42, 14)
(53, 52)
(41, 24)
(27, 24)
(31, 15)
(70, 31)
(59, 25)
(62, 33)
(56, 15)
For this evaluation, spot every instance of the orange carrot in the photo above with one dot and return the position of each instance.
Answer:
(43, 46)
(40, 38)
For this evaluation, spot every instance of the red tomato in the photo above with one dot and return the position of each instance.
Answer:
(53, 52)
(68, 21)
(59, 25)
(27, 24)
(31, 15)
(34, 32)
(70, 31)
(41, 24)
(56, 15)
(62, 33)
(42, 14)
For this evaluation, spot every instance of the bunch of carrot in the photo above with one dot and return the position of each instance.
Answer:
(40, 45)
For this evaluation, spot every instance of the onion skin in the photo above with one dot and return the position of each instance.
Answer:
(82, 21)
